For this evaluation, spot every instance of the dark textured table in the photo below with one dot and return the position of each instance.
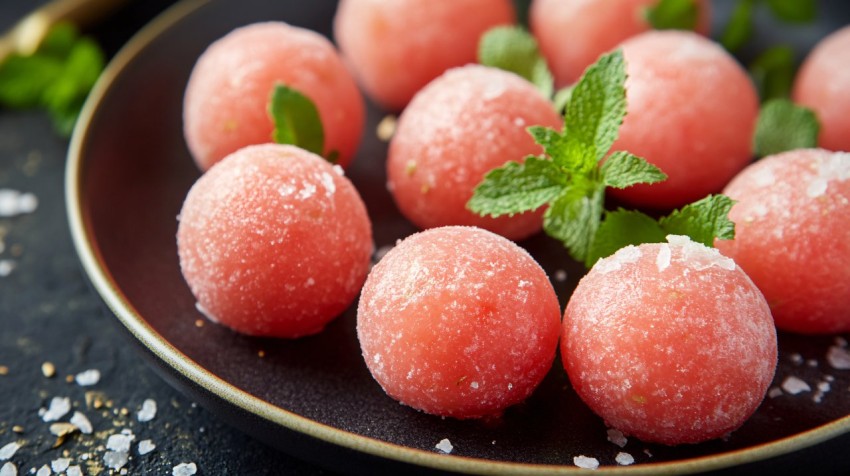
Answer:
(51, 318)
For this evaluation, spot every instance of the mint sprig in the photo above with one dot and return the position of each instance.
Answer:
(297, 122)
(673, 15)
(782, 126)
(513, 49)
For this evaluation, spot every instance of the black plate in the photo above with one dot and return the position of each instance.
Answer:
(128, 173)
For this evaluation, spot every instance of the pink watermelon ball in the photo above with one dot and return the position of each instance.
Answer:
(692, 111)
(465, 123)
(395, 48)
(227, 99)
(792, 236)
(669, 342)
(458, 322)
(823, 83)
(573, 33)
(274, 241)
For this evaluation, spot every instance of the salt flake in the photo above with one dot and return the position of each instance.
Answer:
(794, 385)
(838, 357)
(13, 203)
(146, 446)
(445, 446)
(82, 422)
(74, 471)
(43, 471)
(59, 407)
(115, 459)
(586, 462)
(88, 378)
(617, 437)
(148, 411)
(184, 469)
(9, 469)
(60, 464)
(119, 443)
(9, 450)
(6, 267)
(624, 459)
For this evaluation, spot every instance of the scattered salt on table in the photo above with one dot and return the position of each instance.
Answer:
(43, 471)
(119, 442)
(148, 411)
(146, 446)
(59, 465)
(774, 392)
(9, 469)
(184, 469)
(624, 459)
(617, 437)
(794, 385)
(586, 462)
(445, 446)
(82, 422)
(9, 450)
(88, 378)
(115, 459)
(74, 471)
(59, 407)
(13, 203)
(838, 357)
(6, 267)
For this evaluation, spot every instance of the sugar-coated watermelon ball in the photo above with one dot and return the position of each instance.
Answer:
(227, 98)
(396, 48)
(669, 342)
(459, 322)
(823, 83)
(573, 33)
(463, 124)
(274, 241)
(792, 236)
(692, 111)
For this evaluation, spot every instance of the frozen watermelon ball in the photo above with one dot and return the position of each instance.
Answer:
(274, 241)
(691, 111)
(459, 322)
(573, 33)
(823, 83)
(463, 124)
(669, 342)
(792, 236)
(226, 104)
(397, 47)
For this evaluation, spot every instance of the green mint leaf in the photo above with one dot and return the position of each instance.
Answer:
(673, 15)
(783, 125)
(595, 111)
(64, 97)
(740, 26)
(562, 98)
(514, 49)
(296, 120)
(552, 142)
(773, 72)
(623, 169)
(703, 220)
(517, 187)
(622, 228)
(574, 216)
(23, 79)
(794, 11)
(59, 40)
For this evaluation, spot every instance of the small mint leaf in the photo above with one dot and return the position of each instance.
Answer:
(782, 126)
(622, 228)
(703, 220)
(517, 187)
(773, 72)
(794, 11)
(513, 49)
(574, 216)
(296, 120)
(59, 40)
(595, 111)
(23, 79)
(739, 29)
(623, 169)
(673, 15)
(551, 140)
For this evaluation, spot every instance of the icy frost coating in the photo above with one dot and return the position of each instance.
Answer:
(459, 322)
(792, 236)
(274, 242)
(680, 353)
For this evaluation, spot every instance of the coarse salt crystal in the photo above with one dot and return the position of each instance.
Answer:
(88, 378)
(60, 464)
(9, 469)
(794, 385)
(617, 437)
(838, 357)
(184, 469)
(6, 267)
(13, 203)
(9, 450)
(119, 442)
(146, 446)
(445, 446)
(662, 261)
(82, 422)
(74, 471)
(774, 392)
(148, 411)
(43, 471)
(59, 407)
(624, 459)
(796, 358)
(586, 462)
(115, 459)
(560, 275)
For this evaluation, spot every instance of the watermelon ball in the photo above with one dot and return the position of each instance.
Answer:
(669, 342)
(463, 124)
(274, 241)
(459, 322)
(226, 104)
(792, 236)
(691, 111)
(822, 84)
(396, 48)
(573, 34)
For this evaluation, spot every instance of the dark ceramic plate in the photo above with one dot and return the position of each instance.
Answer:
(128, 173)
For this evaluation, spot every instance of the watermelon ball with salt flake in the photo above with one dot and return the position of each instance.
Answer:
(822, 84)
(226, 104)
(691, 111)
(463, 124)
(669, 342)
(397, 47)
(274, 241)
(573, 33)
(459, 322)
(792, 236)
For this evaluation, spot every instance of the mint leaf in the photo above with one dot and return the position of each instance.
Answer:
(623, 169)
(773, 72)
(673, 15)
(740, 26)
(782, 126)
(703, 220)
(518, 187)
(794, 11)
(595, 110)
(513, 49)
(65, 96)
(574, 216)
(23, 80)
(296, 120)
(622, 228)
